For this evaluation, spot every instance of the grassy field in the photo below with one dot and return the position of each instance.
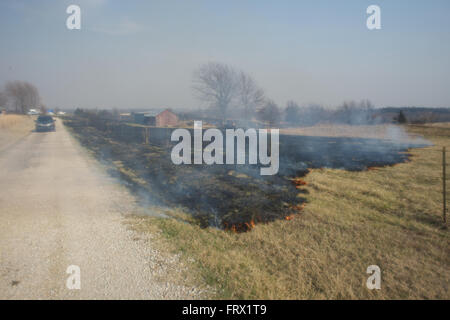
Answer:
(13, 127)
(7, 121)
(390, 217)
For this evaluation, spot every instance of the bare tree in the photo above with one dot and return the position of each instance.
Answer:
(250, 95)
(351, 112)
(313, 114)
(292, 112)
(3, 99)
(270, 113)
(366, 105)
(23, 95)
(216, 84)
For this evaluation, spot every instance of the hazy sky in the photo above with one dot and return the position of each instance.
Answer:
(142, 54)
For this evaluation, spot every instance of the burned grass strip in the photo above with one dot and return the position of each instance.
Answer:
(230, 197)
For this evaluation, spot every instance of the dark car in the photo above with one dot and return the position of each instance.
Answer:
(45, 123)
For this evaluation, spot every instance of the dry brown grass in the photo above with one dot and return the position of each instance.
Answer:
(390, 217)
(439, 124)
(13, 127)
(385, 131)
(10, 120)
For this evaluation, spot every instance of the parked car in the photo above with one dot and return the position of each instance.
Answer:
(45, 123)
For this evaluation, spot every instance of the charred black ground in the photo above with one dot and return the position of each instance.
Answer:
(233, 197)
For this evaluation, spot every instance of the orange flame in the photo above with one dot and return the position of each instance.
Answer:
(240, 227)
(298, 182)
(298, 207)
(250, 225)
(247, 226)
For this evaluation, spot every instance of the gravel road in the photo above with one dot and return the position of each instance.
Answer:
(59, 208)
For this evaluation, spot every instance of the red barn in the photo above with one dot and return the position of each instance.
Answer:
(166, 118)
(158, 118)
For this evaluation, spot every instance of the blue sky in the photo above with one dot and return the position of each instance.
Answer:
(142, 54)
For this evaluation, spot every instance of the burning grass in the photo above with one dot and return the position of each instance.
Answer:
(227, 197)
(390, 217)
(233, 197)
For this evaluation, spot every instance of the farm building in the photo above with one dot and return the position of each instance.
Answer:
(126, 117)
(158, 118)
(166, 118)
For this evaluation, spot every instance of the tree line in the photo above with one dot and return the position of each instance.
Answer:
(231, 92)
(20, 96)
(234, 94)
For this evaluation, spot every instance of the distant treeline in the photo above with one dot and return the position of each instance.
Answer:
(415, 114)
(351, 113)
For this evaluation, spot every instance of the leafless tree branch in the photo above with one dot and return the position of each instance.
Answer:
(250, 95)
(216, 84)
(23, 95)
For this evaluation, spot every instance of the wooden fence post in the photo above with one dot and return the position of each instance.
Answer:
(444, 187)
